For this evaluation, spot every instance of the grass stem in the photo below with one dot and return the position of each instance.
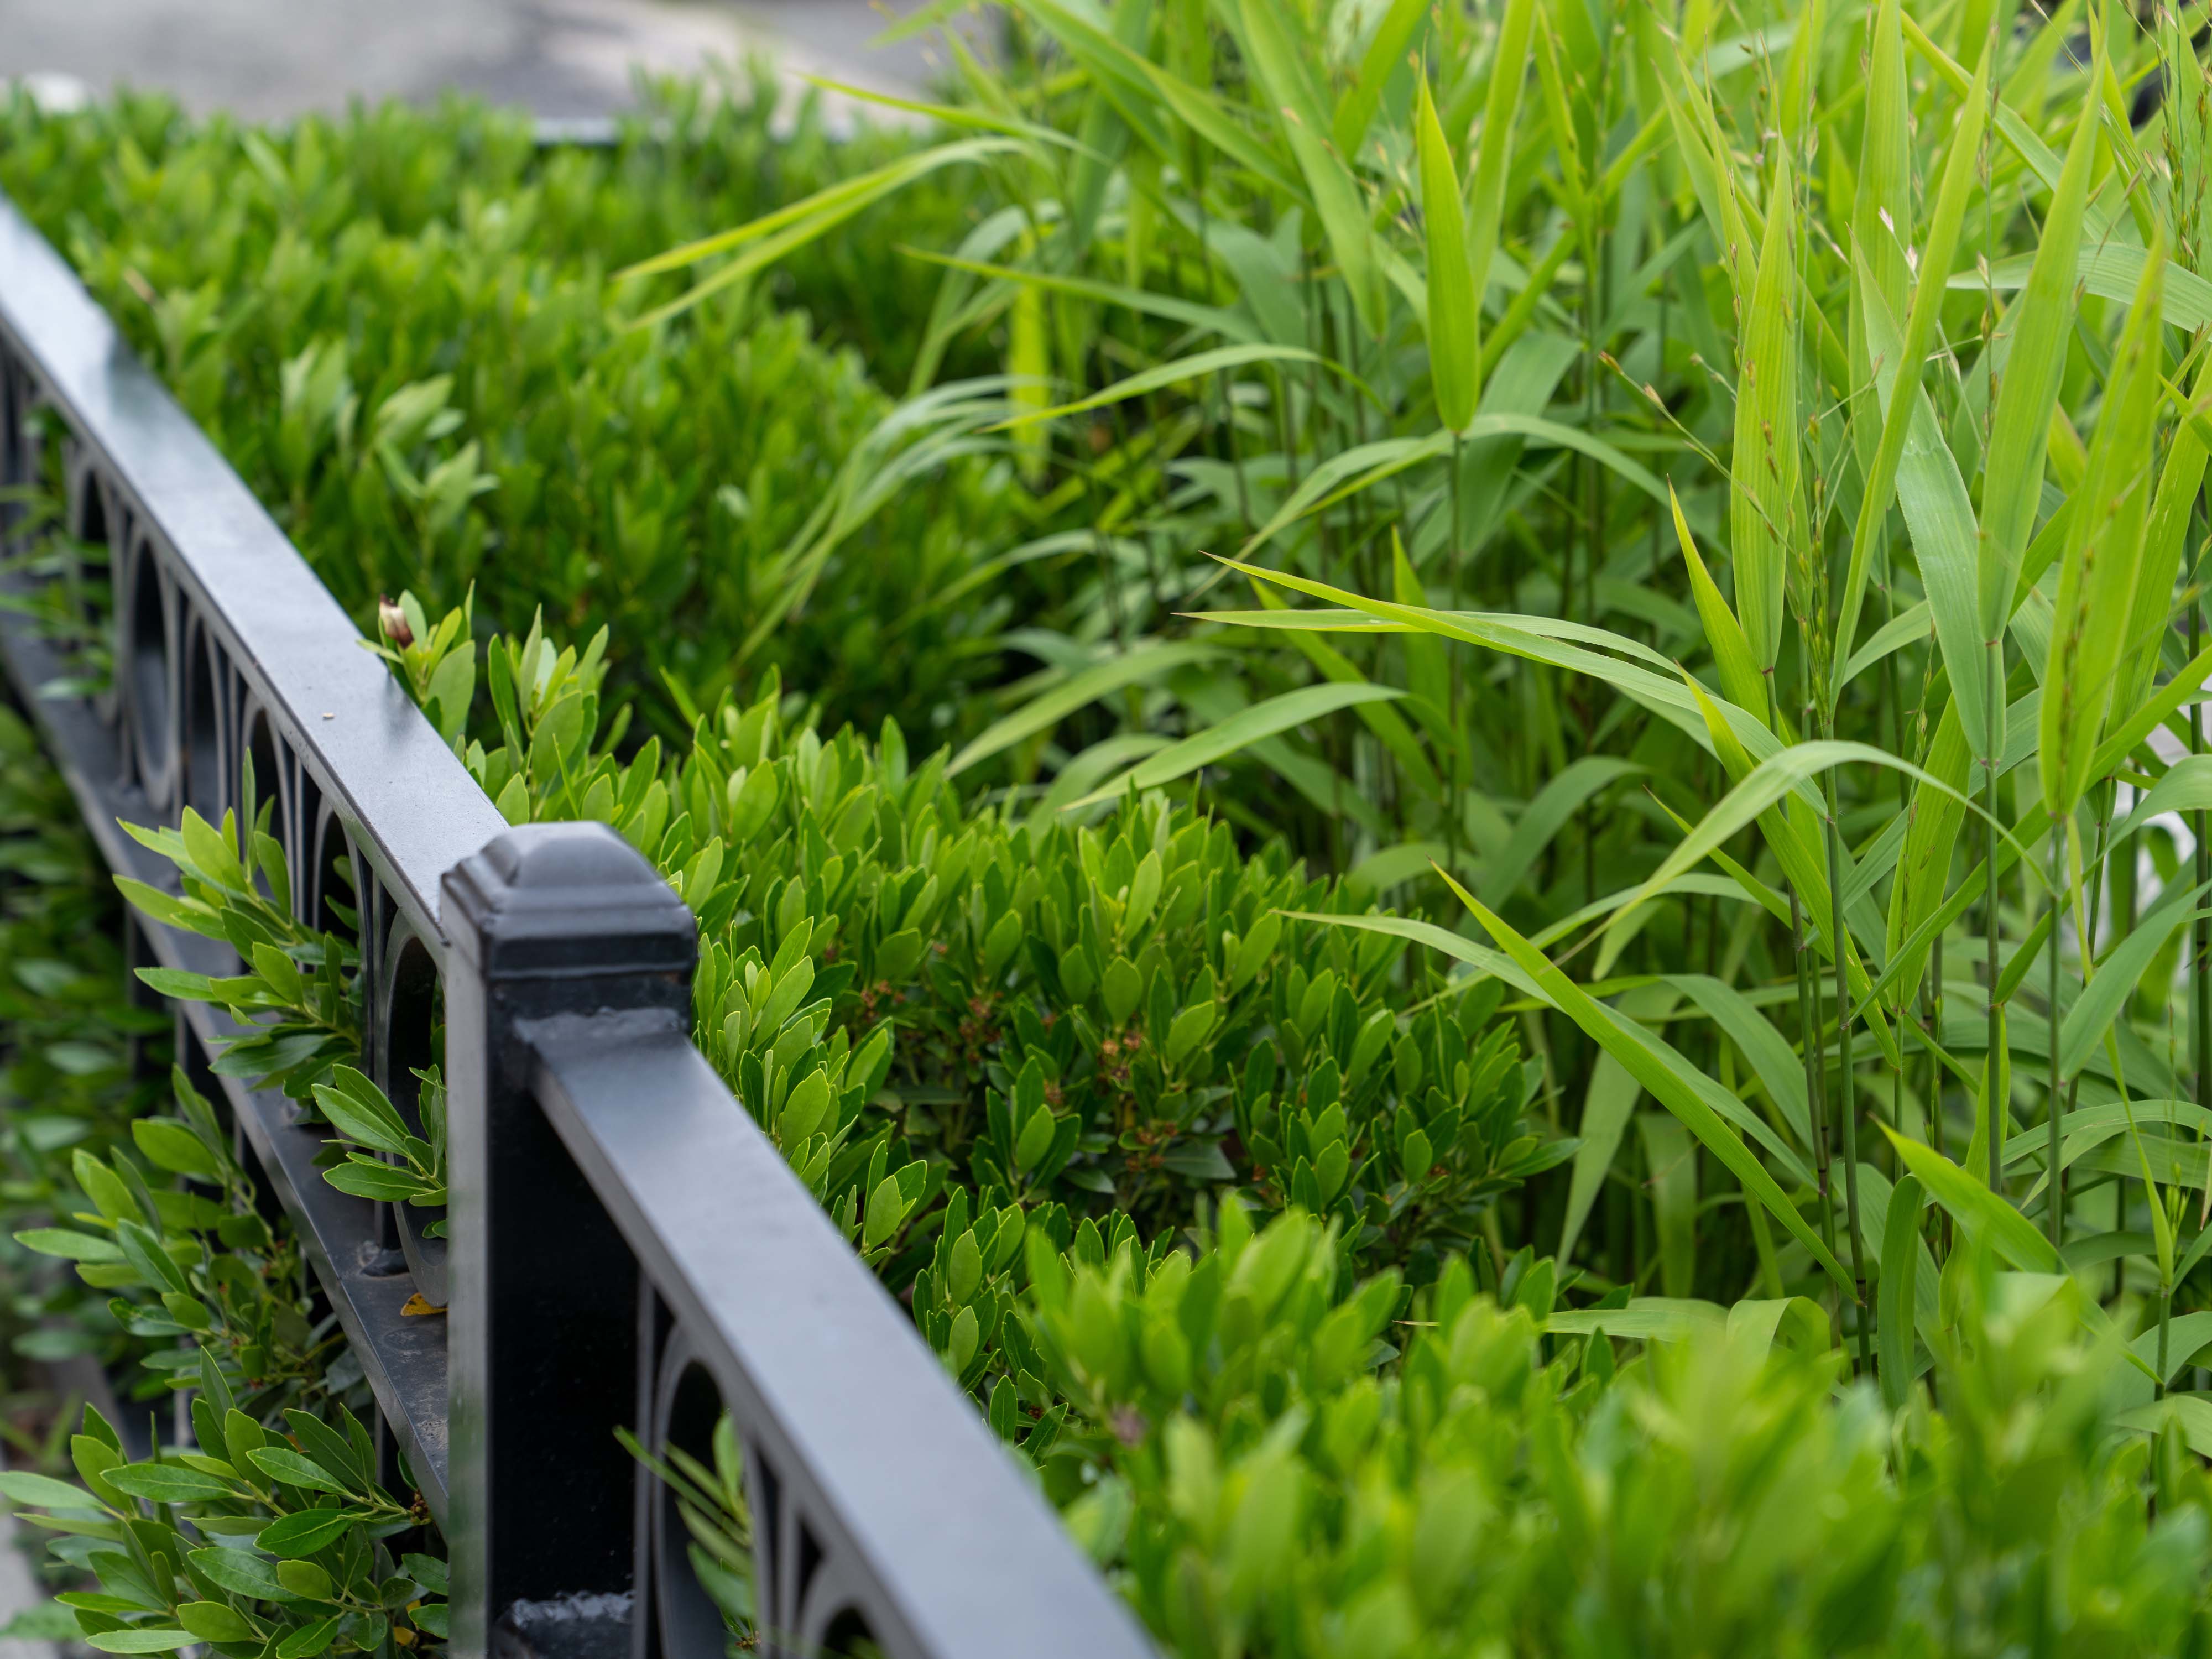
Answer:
(1993, 1067)
(2055, 1191)
(1847, 1099)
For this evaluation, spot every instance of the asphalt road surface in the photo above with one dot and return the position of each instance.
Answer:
(565, 59)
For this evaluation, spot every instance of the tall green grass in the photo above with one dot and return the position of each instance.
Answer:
(1707, 494)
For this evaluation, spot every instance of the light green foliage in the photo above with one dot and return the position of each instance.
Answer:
(962, 1025)
(299, 998)
(68, 1033)
(157, 1257)
(1824, 460)
(215, 1300)
(1290, 1471)
(384, 1157)
(236, 889)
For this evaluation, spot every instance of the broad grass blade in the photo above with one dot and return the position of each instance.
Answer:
(1334, 193)
(1609, 1104)
(1899, 426)
(2104, 553)
(1732, 653)
(1764, 515)
(2040, 326)
(1665, 1074)
(1494, 153)
(1356, 109)
(1085, 687)
(1223, 739)
(2008, 1232)
(2092, 1015)
(1195, 366)
(1454, 356)
(1940, 517)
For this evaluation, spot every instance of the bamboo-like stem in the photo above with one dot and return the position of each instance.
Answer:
(1197, 168)
(2055, 1177)
(2087, 948)
(1816, 1072)
(1659, 233)
(2200, 978)
(1808, 1026)
(1593, 494)
(1320, 341)
(1931, 1021)
(1110, 575)
(1459, 747)
(1990, 1104)
(2165, 1324)
(1847, 1103)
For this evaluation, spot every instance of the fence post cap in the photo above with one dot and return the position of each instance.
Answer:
(557, 900)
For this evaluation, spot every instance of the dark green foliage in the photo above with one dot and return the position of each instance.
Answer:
(269, 1540)
(398, 326)
(210, 1281)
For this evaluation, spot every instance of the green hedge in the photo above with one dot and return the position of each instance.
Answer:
(1342, 1430)
(399, 327)
(1284, 1469)
(964, 1030)
(1273, 1435)
(1192, 1175)
(945, 1010)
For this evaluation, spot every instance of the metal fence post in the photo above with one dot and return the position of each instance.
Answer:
(548, 920)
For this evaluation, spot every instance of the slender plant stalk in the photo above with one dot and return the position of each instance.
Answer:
(1993, 1069)
(2055, 1176)
(2200, 980)
(1220, 380)
(1847, 1101)
(1931, 1022)
(1593, 506)
(1809, 1023)
(2165, 1328)
(1452, 761)
(2087, 950)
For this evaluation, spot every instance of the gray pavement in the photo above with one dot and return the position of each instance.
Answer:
(268, 59)
(19, 1589)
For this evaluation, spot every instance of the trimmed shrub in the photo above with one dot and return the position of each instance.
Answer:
(400, 329)
(1284, 1469)
(1103, 1023)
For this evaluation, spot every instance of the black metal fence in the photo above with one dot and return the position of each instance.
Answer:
(627, 1247)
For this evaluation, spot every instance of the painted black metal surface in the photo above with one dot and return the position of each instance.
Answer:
(874, 1453)
(551, 919)
(629, 1249)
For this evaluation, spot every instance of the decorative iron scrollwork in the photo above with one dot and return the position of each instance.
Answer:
(804, 1599)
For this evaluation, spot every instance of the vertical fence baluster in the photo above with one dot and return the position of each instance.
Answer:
(549, 920)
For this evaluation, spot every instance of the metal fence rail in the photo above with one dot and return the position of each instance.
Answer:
(628, 1248)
